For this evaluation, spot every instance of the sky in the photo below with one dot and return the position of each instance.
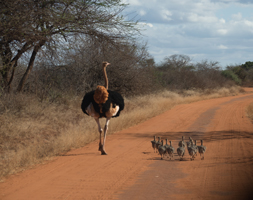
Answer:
(213, 30)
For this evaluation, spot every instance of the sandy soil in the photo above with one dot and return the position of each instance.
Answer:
(131, 170)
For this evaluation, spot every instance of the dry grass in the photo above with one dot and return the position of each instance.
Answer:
(32, 131)
(250, 111)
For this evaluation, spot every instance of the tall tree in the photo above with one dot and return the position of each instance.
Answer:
(27, 26)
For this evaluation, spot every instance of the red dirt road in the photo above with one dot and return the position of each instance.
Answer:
(131, 170)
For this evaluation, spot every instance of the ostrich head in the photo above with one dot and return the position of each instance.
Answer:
(105, 64)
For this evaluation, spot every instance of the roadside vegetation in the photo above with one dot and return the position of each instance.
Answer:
(51, 56)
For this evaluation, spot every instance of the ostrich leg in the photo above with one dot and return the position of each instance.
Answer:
(105, 131)
(100, 130)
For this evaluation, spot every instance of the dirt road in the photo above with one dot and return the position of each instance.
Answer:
(131, 170)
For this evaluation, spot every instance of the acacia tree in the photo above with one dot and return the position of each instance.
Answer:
(176, 62)
(79, 69)
(28, 26)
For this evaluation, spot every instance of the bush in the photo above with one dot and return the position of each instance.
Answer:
(231, 75)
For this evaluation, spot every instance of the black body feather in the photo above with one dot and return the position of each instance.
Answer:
(114, 97)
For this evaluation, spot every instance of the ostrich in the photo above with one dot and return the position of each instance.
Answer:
(182, 143)
(180, 152)
(101, 103)
(154, 144)
(190, 142)
(202, 150)
(162, 150)
(192, 148)
(158, 143)
(192, 151)
(166, 146)
(170, 150)
(196, 148)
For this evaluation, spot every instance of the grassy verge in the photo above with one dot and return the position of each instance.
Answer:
(32, 131)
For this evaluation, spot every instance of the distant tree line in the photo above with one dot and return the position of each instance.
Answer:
(132, 72)
(177, 71)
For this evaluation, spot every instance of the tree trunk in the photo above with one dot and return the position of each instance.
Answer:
(14, 62)
(6, 56)
(30, 65)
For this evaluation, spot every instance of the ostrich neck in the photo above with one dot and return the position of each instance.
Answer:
(106, 79)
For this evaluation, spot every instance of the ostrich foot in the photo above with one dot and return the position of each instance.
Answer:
(103, 152)
(100, 148)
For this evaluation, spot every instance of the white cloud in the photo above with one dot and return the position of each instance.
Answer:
(197, 28)
(222, 47)
(144, 25)
(166, 14)
(193, 17)
(222, 31)
(223, 21)
(149, 24)
(237, 16)
(142, 12)
(248, 23)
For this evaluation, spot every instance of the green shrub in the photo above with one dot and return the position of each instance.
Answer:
(231, 75)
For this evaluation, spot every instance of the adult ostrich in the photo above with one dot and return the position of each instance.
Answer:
(101, 103)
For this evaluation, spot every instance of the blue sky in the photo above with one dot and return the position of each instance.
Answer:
(213, 30)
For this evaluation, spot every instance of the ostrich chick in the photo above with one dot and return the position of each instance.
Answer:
(153, 142)
(162, 150)
(202, 150)
(170, 151)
